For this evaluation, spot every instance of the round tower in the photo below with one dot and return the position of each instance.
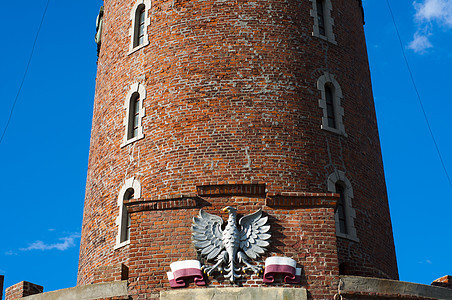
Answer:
(253, 105)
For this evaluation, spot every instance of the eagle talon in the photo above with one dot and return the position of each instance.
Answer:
(208, 270)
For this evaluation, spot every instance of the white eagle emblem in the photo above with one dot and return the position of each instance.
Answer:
(231, 246)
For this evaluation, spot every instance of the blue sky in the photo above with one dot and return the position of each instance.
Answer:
(43, 157)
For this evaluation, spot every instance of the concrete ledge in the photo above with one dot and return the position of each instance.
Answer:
(85, 292)
(235, 293)
(367, 287)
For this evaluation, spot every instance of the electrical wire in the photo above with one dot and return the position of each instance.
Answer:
(25, 73)
(418, 95)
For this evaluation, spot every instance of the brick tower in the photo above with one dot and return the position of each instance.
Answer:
(254, 105)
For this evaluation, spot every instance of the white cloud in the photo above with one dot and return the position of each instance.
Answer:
(428, 261)
(10, 253)
(439, 11)
(420, 43)
(66, 243)
(427, 13)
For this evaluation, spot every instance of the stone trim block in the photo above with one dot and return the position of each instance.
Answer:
(249, 293)
(111, 290)
(355, 287)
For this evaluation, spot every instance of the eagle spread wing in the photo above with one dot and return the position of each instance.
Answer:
(207, 234)
(253, 234)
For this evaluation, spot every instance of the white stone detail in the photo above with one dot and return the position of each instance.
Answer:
(134, 27)
(337, 99)
(121, 220)
(278, 260)
(328, 20)
(350, 214)
(185, 264)
(141, 90)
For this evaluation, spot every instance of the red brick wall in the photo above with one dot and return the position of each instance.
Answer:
(110, 273)
(160, 237)
(22, 289)
(232, 97)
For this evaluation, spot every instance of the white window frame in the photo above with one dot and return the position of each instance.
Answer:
(328, 20)
(121, 220)
(328, 78)
(135, 25)
(128, 106)
(349, 211)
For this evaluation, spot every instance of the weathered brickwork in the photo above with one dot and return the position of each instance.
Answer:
(232, 102)
(22, 289)
(110, 273)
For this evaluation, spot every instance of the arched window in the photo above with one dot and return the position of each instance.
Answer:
(321, 17)
(330, 102)
(329, 98)
(140, 26)
(134, 114)
(140, 22)
(323, 22)
(130, 190)
(345, 213)
(126, 221)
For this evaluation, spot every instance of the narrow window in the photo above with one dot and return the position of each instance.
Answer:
(321, 17)
(341, 209)
(140, 26)
(331, 104)
(130, 190)
(139, 23)
(133, 119)
(345, 214)
(134, 116)
(126, 221)
(321, 13)
(329, 97)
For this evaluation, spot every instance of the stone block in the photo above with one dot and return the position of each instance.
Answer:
(235, 293)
